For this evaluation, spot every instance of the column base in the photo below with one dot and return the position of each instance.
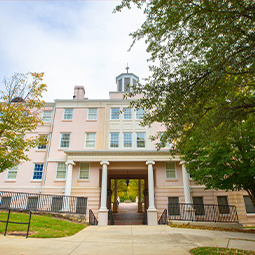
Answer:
(102, 217)
(152, 217)
(115, 207)
(189, 214)
(140, 207)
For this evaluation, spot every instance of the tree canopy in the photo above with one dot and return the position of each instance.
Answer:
(19, 105)
(202, 82)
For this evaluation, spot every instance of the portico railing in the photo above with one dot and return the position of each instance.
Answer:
(43, 202)
(202, 212)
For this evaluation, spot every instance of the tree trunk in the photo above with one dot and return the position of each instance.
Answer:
(251, 193)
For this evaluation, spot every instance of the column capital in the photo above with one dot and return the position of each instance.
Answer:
(70, 162)
(150, 162)
(182, 162)
(104, 162)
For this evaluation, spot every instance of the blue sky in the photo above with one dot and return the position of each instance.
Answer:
(72, 42)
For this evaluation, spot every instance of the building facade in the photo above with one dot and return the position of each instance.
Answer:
(91, 142)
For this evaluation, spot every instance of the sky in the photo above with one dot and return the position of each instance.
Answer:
(72, 42)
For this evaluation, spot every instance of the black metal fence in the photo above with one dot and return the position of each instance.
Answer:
(92, 218)
(202, 212)
(163, 218)
(43, 202)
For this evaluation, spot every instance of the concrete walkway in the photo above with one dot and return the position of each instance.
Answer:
(127, 240)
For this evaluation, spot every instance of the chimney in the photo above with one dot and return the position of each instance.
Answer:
(79, 93)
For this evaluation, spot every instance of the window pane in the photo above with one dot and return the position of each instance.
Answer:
(12, 173)
(92, 113)
(170, 170)
(140, 140)
(127, 113)
(6, 202)
(114, 140)
(38, 170)
(81, 205)
(199, 205)
(84, 171)
(223, 204)
(139, 113)
(173, 206)
(120, 85)
(65, 140)
(42, 146)
(127, 84)
(127, 140)
(32, 203)
(46, 116)
(61, 171)
(90, 140)
(115, 113)
(250, 208)
(68, 114)
(57, 203)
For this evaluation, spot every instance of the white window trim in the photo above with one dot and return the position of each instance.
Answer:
(7, 176)
(140, 148)
(136, 114)
(61, 139)
(60, 179)
(169, 178)
(132, 140)
(50, 116)
(37, 147)
(80, 171)
(88, 114)
(86, 140)
(64, 114)
(116, 115)
(37, 163)
(118, 140)
(124, 113)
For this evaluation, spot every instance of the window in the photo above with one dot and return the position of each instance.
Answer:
(12, 173)
(250, 208)
(68, 114)
(167, 144)
(140, 140)
(127, 113)
(42, 145)
(46, 116)
(84, 171)
(139, 113)
(199, 205)
(223, 204)
(38, 171)
(170, 170)
(127, 84)
(173, 206)
(5, 202)
(90, 140)
(92, 114)
(56, 204)
(114, 140)
(32, 203)
(120, 85)
(81, 205)
(61, 171)
(115, 113)
(127, 140)
(65, 140)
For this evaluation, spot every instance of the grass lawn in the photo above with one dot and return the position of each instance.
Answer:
(219, 251)
(41, 226)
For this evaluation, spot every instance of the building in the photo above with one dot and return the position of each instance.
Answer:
(91, 142)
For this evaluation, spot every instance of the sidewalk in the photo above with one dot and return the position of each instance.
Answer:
(127, 240)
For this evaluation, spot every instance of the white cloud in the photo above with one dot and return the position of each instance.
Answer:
(74, 43)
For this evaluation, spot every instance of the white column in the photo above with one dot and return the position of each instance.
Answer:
(151, 212)
(70, 164)
(103, 211)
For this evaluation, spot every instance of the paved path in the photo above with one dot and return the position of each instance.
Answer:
(127, 240)
(128, 215)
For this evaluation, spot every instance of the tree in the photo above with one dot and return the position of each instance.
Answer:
(202, 84)
(19, 105)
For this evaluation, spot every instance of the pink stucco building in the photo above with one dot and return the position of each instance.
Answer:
(91, 142)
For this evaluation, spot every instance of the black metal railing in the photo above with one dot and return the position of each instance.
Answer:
(43, 202)
(16, 222)
(163, 218)
(110, 217)
(202, 212)
(92, 218)
(145, 222)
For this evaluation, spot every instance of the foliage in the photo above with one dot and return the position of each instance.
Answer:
(19, 105)
(44, 226)
(219, 251)
(202, 86)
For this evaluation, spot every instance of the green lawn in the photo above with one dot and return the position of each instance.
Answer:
(42, 226)
(219, 251)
